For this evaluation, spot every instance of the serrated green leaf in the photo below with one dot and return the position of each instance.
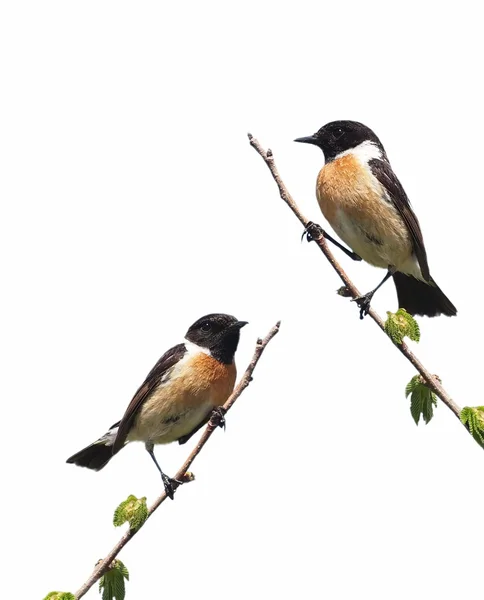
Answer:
(118, 587)
(401, 324)
(414, 328)
(465, 414)
(60, 596)
(411, 385)
(473, 418)
(428, 405)
(392, 329)
(112, 584)
(416, 405)
(105, 589)
(132, 510)
(422, 399)
(121, 567)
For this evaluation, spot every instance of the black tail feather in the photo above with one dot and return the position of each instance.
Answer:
(421, 298)
(95, 456)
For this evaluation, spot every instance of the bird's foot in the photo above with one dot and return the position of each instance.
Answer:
(312, 232)
(217, 418)
(170, 485)
(364, 303)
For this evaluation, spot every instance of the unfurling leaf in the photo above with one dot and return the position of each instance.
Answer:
(411, 385)
(422, 399)
(60, 596)
(111, 584)
(133, 510)
(401, 324)
(473, 419)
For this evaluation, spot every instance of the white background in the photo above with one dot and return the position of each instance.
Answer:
(132, 204)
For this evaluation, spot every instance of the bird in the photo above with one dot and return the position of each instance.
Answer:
(365, 203)
(187, 385)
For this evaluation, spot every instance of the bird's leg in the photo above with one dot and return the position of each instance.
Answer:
(169, 483)
(349, 253)
(313, 230)
(217, 417)
(365, 300)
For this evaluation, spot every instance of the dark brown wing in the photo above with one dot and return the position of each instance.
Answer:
(382, 170)
(166, 362)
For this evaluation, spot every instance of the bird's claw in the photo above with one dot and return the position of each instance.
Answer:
(217, 418)
(364, 303)
(312, 231)
(170, 485)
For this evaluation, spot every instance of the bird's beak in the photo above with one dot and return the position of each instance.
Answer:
(239, 324)
(310, 139)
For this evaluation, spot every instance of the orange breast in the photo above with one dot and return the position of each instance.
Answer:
(206, 375)
(355, 204)
(346, 185)
(196, 385)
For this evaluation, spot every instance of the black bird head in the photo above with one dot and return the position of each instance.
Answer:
(339, 136)
(218, 333)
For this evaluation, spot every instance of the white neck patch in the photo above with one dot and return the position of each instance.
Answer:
(364, 152)
(194, 349)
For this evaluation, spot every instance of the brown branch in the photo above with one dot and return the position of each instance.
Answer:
(103, 565)
(432, 382)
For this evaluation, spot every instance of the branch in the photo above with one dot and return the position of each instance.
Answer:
(103, 565)
(431, 381)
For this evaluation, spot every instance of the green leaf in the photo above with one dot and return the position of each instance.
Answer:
(401, 324)
(411, 385)
(111, 584)
(133, 510)
(422, 399)
(60, 596)
(473, 419)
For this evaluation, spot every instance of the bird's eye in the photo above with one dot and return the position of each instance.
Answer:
(337, 133)
(206, 326)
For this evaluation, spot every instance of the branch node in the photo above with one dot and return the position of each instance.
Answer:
(187, 477)
(344, 292)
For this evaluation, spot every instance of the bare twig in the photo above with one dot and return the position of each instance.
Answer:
(103, 565)
(432, 382)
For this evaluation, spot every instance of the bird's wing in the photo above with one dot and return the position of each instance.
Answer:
(153, 379)
(382, 170)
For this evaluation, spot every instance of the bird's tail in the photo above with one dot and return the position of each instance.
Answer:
(422, 298)
(97, 455)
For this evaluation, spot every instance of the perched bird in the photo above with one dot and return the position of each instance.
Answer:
(178, 396)
(366, 205)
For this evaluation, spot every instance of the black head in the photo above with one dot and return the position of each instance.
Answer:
(218, 333)
(339, 136)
